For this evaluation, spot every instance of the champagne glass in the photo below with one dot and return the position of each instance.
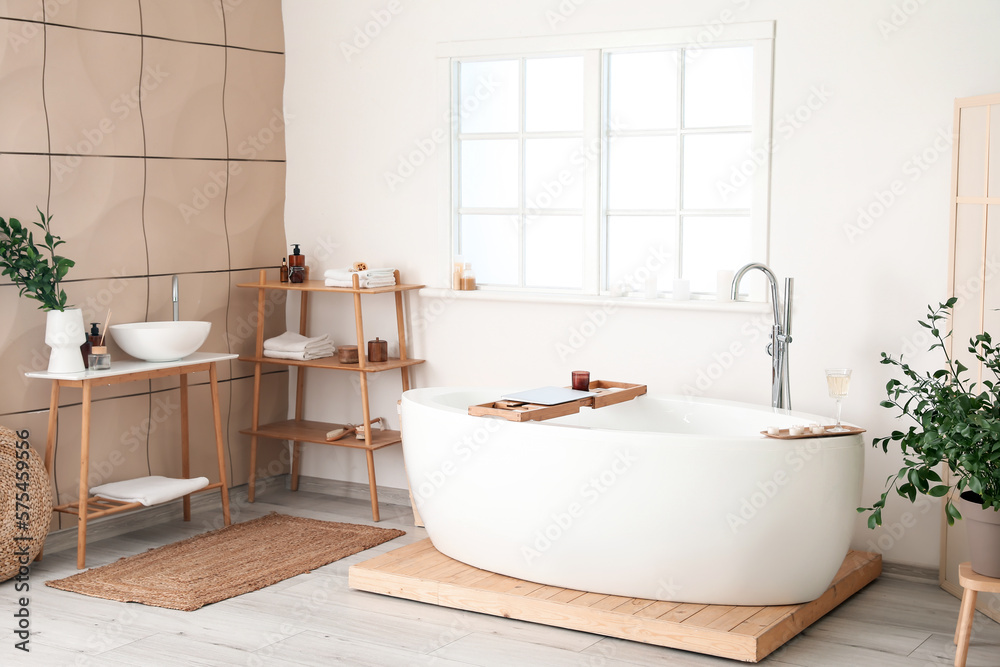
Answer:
(838, 380)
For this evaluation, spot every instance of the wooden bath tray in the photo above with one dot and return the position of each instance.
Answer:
(784, 435)
(420, 572)
(608, 393)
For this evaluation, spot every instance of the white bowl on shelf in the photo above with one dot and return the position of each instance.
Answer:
(160, 341)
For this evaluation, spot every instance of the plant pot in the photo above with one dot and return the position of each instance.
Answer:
(983, 530)
(64, 334)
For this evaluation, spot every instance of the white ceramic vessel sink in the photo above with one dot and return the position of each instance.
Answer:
(160, 341)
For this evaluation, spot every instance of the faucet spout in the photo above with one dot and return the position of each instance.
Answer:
(780, 333)
(772, 282)
(177, 303)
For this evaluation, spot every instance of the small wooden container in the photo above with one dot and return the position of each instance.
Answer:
(348, 354)
(378, 350)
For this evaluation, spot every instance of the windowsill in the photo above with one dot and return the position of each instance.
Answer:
(699, 305)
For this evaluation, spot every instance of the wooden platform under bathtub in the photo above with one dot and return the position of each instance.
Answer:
(420, 572)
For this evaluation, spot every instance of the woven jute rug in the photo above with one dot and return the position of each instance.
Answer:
(224, 563)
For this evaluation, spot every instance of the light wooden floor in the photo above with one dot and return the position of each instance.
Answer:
(314, 619)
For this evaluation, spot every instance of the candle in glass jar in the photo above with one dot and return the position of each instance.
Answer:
(581, 380)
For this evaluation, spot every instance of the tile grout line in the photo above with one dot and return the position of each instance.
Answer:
(43, 22)
(142, 217)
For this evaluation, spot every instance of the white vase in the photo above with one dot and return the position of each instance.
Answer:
(64, 333)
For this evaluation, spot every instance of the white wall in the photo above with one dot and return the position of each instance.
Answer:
(888, 98)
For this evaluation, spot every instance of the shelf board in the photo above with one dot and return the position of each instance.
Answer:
(320, 286)
(334, 363)
(309, 431)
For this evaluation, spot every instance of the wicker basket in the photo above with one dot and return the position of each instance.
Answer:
(39, 502)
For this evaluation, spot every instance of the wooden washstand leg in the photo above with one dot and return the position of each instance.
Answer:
(50, 446)
(224, 489)
(81, 534)
(185, 444)
(252, 486)
(258, 353)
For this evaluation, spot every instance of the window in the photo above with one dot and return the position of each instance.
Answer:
(592, 164)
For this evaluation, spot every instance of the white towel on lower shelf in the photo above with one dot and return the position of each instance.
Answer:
(304, 355)
(149, 490)
(293, 342)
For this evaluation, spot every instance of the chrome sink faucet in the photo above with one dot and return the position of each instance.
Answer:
(177, 303)
(781, 333)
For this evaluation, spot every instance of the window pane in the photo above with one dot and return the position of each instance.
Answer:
(642, 173)
(489, 173)
(642, 90)
(718, 87)
(554, 94)
(489, 242)
(641, 246)
(489, 96)
(711, 244)
(554, 251)
(553, 174)
(714, 174)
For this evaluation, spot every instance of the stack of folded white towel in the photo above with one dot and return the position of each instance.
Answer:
(293, 346)
(366, 278)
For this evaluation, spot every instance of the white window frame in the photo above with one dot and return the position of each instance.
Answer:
(594, 48)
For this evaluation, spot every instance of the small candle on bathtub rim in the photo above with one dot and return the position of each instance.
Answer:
(682, 289)
(795, 429)
(817, 429)
(773, 430)
(724, 285)
(581, 380)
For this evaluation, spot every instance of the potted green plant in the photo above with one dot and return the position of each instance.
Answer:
(37, 271)
(958, 425)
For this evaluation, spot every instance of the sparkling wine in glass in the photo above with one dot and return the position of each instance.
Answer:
(838, 380)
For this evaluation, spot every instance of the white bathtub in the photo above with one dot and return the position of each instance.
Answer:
(661, 498)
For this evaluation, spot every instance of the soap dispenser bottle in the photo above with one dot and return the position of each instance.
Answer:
(93, 339)
(296, 265)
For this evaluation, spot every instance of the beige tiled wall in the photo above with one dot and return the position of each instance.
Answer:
(153, 132)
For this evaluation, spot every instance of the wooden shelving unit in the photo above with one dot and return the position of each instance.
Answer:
(299, 430)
